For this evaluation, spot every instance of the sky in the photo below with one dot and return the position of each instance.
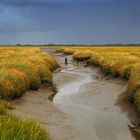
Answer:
(69, 21)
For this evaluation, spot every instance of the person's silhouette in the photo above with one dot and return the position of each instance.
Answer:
(66, 61)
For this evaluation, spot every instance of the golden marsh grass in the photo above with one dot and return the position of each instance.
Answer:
(22, 69)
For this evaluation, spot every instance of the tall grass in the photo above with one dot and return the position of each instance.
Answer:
(22, 69)
(82, 55)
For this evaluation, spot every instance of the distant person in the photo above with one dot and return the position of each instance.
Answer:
(66, 61)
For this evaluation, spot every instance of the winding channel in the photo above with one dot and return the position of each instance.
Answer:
(90, 103)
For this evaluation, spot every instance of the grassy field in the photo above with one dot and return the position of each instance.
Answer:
(30, 66)
(22, 69)
(117, 61)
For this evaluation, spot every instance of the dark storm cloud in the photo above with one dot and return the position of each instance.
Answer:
(69, 21)
(27, 3)
(56, 2)
(23, 2)
(36, 2)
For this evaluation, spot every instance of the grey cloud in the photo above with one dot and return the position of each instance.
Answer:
(68, 20)
(53, 3)
(23, 3)
(47, 2)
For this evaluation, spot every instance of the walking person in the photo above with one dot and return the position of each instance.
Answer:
(66, 61)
